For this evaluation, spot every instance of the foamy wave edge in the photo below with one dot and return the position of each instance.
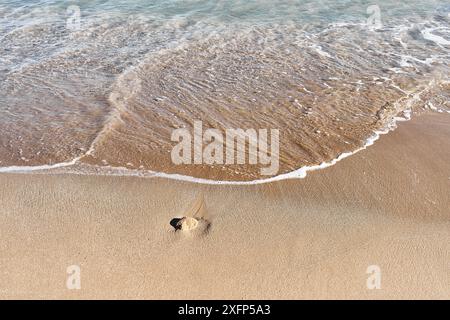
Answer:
(301, 172)
(296, 174)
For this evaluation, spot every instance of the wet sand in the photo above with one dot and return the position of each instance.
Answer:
(309, 238)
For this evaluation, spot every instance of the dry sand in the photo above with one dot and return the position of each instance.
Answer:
(310, 238)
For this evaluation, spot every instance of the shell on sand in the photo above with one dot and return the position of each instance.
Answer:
(188, 224)
(194, 220)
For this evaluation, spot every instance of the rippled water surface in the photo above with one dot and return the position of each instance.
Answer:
(102, 84)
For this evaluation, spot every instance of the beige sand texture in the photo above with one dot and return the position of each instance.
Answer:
(309, 238)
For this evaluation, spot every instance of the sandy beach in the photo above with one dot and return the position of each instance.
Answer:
(308, 238)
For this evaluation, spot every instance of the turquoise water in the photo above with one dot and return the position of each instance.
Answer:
(104, 82)
(258, 11)
(176, 20)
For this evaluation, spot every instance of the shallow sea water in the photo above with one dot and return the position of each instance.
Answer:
(99, 87)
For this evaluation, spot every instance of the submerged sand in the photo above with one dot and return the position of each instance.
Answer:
(117, 93)
(310, 238)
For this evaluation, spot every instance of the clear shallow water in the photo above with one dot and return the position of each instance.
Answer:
(107, 91)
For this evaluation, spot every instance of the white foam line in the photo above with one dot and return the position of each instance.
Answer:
(427, 34)
(24, 169)
(296, 174)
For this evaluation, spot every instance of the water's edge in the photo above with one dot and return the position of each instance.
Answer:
(296, 174)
